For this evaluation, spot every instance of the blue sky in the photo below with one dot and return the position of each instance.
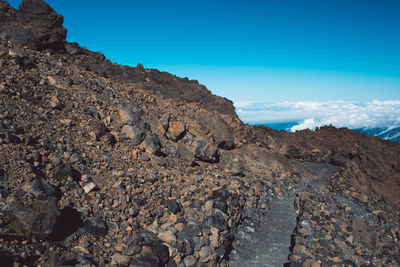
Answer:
(254, 51)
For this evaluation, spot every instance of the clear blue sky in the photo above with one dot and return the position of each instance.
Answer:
(250, 50)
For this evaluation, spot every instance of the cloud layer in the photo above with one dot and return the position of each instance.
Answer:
(311, 114)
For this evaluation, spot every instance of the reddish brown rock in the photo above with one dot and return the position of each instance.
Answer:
(176, 130)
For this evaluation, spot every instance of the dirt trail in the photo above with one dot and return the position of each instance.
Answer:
(265, 239)
(267, 244)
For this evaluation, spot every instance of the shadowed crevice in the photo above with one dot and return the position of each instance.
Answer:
(67, 223)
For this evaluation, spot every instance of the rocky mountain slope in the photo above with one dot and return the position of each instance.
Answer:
(109, 165)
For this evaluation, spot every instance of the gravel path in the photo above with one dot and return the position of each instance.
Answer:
(268, 244)
(266, 241)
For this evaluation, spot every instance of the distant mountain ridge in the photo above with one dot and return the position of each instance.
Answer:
(386, 133)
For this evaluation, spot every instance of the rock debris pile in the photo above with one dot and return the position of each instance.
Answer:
(108, 165)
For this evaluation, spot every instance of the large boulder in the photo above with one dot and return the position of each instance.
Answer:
(44, 24)
(137, 134)
(35, 220)
(152, 144)
(130, 113)
(215, 128)
(205, 151)
(176, 130)
(35, 25)
(221, 132)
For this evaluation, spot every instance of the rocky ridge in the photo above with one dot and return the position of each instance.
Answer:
(105, 165)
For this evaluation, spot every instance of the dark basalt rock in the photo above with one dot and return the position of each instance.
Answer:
(136, 133)
(95, 226)
(44, 24)
(3, 15)
(35, 25)
(221, 193)
(99, 129)
(173, 206)
(131, 113)
(3, 175)
(160, 77)
(215, 220)
(187, 244)
(39, 187)
(204, 151)
(143, 262)
(221, 206)
(160, 251)
(193, 230)
(64, 170)
(152, 144)
(35, 220)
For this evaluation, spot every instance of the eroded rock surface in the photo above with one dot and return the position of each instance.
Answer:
(35, 25)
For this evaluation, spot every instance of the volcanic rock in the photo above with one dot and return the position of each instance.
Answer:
(39, 187)
(176, 130)
(235, 167)
(35, 25)
(135, 133)
(35, 220)
(130, 113)
(107, 164)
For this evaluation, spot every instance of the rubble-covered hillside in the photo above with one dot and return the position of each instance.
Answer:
(109, 165)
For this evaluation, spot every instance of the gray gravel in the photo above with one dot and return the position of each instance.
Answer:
(268, 244)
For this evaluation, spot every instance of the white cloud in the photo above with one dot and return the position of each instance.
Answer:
(306, 124)
(312, 114)
(242, 104)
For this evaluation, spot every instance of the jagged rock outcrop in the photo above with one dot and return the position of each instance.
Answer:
(104, 164)
(35, 25)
